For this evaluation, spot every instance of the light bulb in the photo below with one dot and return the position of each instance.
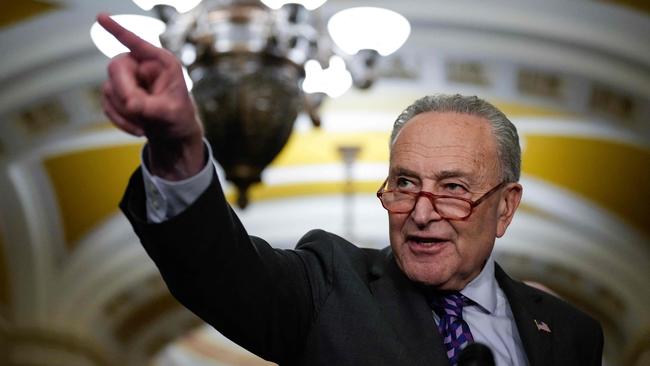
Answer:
(355, 29)
(333, 81)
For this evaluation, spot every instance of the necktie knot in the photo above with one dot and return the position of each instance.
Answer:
(450, 304)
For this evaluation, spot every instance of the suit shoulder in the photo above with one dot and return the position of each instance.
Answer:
(320, 248)
(576, 333)
(545, 303)
(562, 309)
(321, 241)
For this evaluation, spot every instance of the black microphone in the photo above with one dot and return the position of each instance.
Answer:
(476, 354)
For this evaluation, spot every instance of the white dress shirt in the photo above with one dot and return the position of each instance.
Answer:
(490, 320)
(166, 198)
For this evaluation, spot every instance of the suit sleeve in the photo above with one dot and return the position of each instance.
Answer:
(597, 358)
(259, 297)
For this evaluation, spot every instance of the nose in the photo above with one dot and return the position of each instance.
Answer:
(424, 211)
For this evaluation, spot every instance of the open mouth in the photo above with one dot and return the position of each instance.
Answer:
(426, 241)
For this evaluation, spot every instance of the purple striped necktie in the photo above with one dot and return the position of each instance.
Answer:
(453, 329)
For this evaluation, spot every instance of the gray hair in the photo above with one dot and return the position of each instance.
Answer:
(503, 130)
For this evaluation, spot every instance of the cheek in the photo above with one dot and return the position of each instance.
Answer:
(395, 224)
(476, 238)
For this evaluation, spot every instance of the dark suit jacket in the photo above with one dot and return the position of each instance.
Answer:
(327, 302)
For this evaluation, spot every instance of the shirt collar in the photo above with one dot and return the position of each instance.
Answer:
(483, 289)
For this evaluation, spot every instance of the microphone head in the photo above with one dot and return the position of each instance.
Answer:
(476, 354)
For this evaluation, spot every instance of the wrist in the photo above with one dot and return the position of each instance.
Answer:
(178, 159)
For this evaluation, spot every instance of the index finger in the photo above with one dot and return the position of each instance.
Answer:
(140, 49)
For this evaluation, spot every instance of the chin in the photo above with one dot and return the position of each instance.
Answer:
(425, 273)
(431, 270)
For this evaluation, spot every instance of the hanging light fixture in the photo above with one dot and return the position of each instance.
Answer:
(255, 65)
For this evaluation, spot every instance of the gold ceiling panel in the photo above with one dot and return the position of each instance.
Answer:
(18, 11)
(613, 175)
(319, 147)
(89, 185)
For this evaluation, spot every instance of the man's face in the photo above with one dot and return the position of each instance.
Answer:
(448, 154)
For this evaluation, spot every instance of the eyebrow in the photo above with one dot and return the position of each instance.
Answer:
(445, 174)
(403, 171)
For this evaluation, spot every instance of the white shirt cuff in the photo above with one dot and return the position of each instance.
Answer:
(166, 198)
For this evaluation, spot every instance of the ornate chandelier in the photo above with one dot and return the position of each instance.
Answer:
(253, 66)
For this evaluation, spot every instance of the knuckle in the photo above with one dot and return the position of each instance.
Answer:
(173, 107)
(118, 64)
(133, 106)
(113, 67)
(174, 110)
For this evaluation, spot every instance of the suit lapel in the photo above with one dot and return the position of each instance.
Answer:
(405, 307)
(534, 324)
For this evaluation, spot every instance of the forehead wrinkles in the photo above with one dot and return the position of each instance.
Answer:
(431, 151)
(410, 151)
(438, 163)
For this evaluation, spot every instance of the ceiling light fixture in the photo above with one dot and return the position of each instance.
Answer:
(256, 64)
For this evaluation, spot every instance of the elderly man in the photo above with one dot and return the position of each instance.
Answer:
(451, 190)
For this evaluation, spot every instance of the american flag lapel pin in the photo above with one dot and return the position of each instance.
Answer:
(542, 326)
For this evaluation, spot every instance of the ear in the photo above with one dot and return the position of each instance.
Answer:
(507, 206)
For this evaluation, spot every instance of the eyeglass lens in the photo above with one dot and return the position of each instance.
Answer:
(402, 202)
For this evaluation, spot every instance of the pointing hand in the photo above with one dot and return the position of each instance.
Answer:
(145, 94)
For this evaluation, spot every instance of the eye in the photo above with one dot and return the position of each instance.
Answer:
(455, 188)
(404, 184)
